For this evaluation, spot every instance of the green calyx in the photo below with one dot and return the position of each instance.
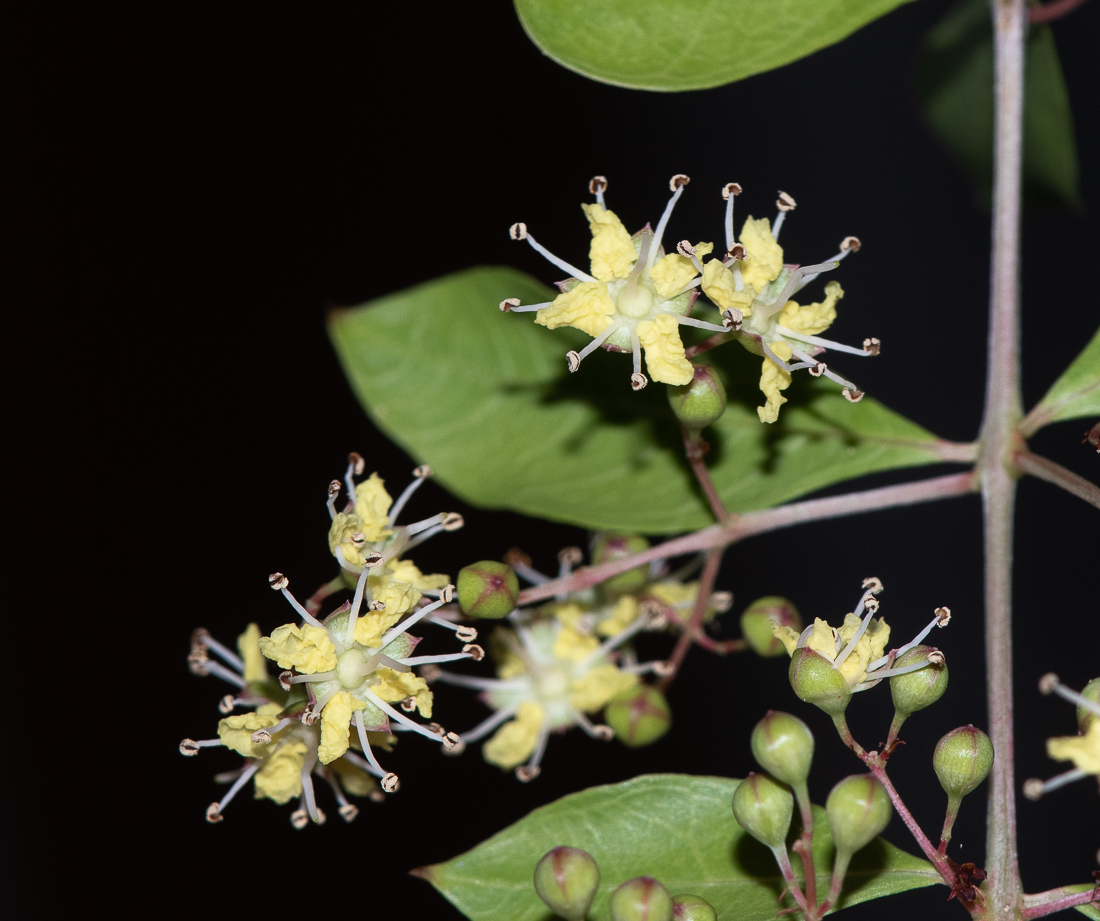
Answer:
(763, 807)
(858, 810)
(692, 908)
(914, 691)
(641, 899)
(639, 715)
(757, 620)
(784, 747)
(488, 589)
(567, 880)
(963, 759)
(702, 401)
(815, 681)
(609, 546)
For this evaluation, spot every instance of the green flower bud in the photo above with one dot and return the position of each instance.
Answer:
(488, 589)
(763, 807)
(641, 899)
(963, 759)
(1084, 715)
(784, 747)
(914, 691)
(692, 908)
(702, 401)
(608, 546)
(756, 624)
(567, 880)
(639, 715)
(858, 810)
(816, 681)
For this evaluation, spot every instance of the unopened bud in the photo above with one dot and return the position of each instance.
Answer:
(692, 908)
(963, 759)
(567, 880)
(702, 401)
(763, 807)
(784, 747)
(858, 810)
(639, 715)
(608, 546)
(488, 589)
(641, 899)
(757, 620)
(1085, 716)
(914, 691)
(816, 681)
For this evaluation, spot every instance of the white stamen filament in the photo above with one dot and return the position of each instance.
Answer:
(913, 642)
(246, 776)
(480, 684)
(319, 676)
(694, 283)
(320, 704)
(773, 357)
(230, 657)
(331, 504)
(891, 672)
(483, 728)
(356, 603)
(362, 763)
(424, 524)
(307, 793)
(636, 348)
(839, 660)
(304, 614)
(767, 310)
(824, 343)
(349, 481)
(585, 723)
(344, 564)
(1074, 697)
(220, 671)
(207, 743)
(540, 747)
(833, 376)
(401, 628)
(372, 763)
(279, 726)
(642, 668)
(661, 225)
(560, 263)
(427, 660)
(780, 217)
(400, 717)
(639, 623)
(1062, 779)
(700, 324)
(806, 279)
(329, 776)
(729, 222)
(399, 505)
(525, 571)
(588, 350)
(530, 308)
(424, 535)
(804, 636)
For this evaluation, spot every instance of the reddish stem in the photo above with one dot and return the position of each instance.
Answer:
(1058, 475)
(1048, 12)
(693, 628)
(706, 345)
(696, 450)
(1058, 901)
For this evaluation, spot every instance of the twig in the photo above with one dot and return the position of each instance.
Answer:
(1058, 475)
(1048, 12)
(696, 450)
(707, 344)
(706, 585)
(1047, 903)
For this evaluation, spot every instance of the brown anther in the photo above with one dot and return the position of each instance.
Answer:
(732, 318)
(261, 737)
(518, 231)
(408, 704)
(872, 605)
(377, 605)
(685, 249)
(678, 181)
(373, 560)
(657, 622)
(213, 816)
(730, 188)
(721, 601)
(637, 382)
(308, 717)
(508, 303)
(299, 818)
(597, 184)
(390, 783)
(358, 538)
(873, 584)
(570, 556)
(937, 658)
(199, 637)
(1033, 788)
(526, 774)
(430, 672)
(466, 634)
(603, 733)
(334, 489)
(436, 728)
(278, 581)
(357, 464)
(196, 661)
(944, 616)
(663, 669)
(451, 741)
(738, 252)
(447, 595)
(225, 705)
(818, 369)
(452, 521)
(872, 346)
(785, 202)
(284, 679)
(189, 748)
(852, 396)
(474, 651)
(456, 749)
(850, 243)
(1048, 683)
(572, 361)
(516, 557)
(348, 812)
(423, 472)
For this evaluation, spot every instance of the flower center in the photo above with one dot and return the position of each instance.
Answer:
(553, 684)
(634, 301)
(351, 668)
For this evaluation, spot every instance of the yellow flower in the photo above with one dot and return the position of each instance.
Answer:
(1082, 750)
(372, 506)
(515, 740)
(236, 733)
(336, 725)
(574, 646)
(612, 252)
(773, 379)
(624, 613)
(829, 643)
(396, 686)
(598, 686)
(248, 644)
(308, 649)
(280, 776)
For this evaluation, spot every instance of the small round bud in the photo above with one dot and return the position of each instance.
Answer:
(488, 589)
(692, 908)
(609, 546)
(639, 715)
(914, 691)
(567, 880)
(784, 747)
(702, 401)
(963, 759)
(858, 809)
(763, 807)
(816, 681)
(757, 620)
(1085, 716)
(641, 899)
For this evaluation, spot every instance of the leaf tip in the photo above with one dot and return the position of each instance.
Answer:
(425, 873)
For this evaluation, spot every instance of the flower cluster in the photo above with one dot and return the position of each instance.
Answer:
(1083, 749)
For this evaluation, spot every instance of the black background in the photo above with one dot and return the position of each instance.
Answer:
(196, 187)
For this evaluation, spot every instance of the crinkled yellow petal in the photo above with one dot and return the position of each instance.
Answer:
(612, 251)
(674, 594)
(569, 614)
(596, 688)
(513, 743)
(788, 636)
(670, 273)
(339, 536)
(336, 725)
(372, 505)
(397, 686)
(354, 780)
(812, 319)
(269, 709)
(280, 776)
(765, 256)
(622, 616)
(870, 647)
(822, 640)
(718, 285)
(407, 571)
(664, 352)
(307, 648)
(248, 645)
(371, 626)
(1083, 750)
(574, 646)
(587, 307)
(236, 733)
(773, 379)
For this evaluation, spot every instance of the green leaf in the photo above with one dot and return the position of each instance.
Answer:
(954, 80)
(486, 399)
(677, 828)
(1089, 911)
(1076, 393)
(688, 44)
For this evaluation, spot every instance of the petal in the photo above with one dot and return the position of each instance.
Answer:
(812, 319)
(772, 380)
(574, 646)
(765, 257)
(336, 726)
(513, 743)
(671, 273)
(719, 287)
(823, 639)
(664, 352)
(1083, 751)
(397, 686)
(594, 690)
(280, 776)
(248, 645)
(307, 648)
(372, 505)
(622, 616)
(612, 251)
(407, 571)
(354, 780)
(788, 636)
(339, 536)
(236, 733)
(587, 307)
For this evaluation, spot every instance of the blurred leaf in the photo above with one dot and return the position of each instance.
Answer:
(688, 44)
(1076, 393)
(954, 78)
(677, 828)
(1089, 911)
(485, 398)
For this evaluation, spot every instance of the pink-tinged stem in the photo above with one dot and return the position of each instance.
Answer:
(1048, 12)
(1047, 903)
(694, 626)
(696, 450)
(784, 862)
(804, 845)
(1058, 475)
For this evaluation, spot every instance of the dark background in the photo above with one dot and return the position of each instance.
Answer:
(195, 187)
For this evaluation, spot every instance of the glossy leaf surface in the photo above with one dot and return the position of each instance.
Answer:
(1076, 393)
